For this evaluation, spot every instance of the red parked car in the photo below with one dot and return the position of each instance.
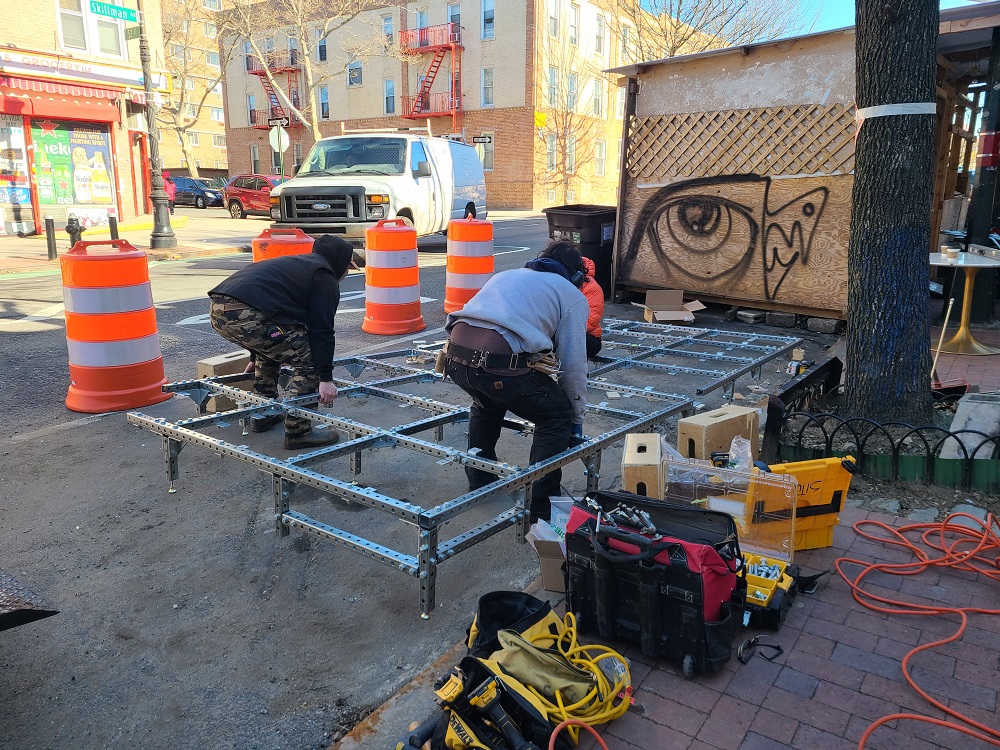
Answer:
(249, 194)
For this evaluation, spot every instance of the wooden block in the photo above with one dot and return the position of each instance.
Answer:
(699, 436)
(225, 364)
(642, 465)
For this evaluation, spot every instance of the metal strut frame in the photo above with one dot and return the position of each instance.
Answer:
(512, 482)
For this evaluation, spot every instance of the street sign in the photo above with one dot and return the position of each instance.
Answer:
(278, 139)
(282, 121)
(113, 11)
(132, 32)
(482, 139)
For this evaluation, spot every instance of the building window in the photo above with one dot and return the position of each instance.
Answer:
(571, 87)
(455, 15)
(390, 96)
(217, 113)
(324, 102)
(192, 110)
(354, 74)
(296, 153)
(254, 160)
(194, 139)
(320, 46)
(212, 59)
(570, 154)
(276, 164)
(574, 24)
(189, 84)
(217, 88)
(251, 109)
(599, 38)
(550, 153)
(211, 30)
(626, 39)
(221, 165)
(487, 93)
(485, 151)
(554, 19)
(212, 4)
(550, 196)
(489, 30)
(620, 102)
(387, 30)
(219, 141)
(74, 32)
(570, 196)
(553, 88)
(600, 158)
(598, 97)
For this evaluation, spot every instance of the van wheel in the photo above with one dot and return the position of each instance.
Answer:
(199, 202)
(404, 216)
(236, 210)
(470, 211)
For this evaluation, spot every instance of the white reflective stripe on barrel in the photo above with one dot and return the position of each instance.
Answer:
(392, 295)
(391, 258)
(113, 299)
(470, 249)
(466, 280)
(113, 353)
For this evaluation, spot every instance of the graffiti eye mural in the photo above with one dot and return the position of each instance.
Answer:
(721, 229)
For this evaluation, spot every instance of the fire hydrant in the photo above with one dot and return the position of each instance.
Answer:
(73, 229)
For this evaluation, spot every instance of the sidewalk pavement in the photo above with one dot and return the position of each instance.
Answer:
(199, 233)
(840, 670)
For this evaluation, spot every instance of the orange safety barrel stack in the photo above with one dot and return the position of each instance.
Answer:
(470, 261)
(392, 281)
(114, 348)
(273, 243)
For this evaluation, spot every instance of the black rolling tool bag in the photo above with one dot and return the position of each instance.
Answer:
(670, 580)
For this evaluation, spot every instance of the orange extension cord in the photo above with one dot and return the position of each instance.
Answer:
(959, 548)
(574, 722)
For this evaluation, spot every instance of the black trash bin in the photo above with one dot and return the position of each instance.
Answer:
(593, 229)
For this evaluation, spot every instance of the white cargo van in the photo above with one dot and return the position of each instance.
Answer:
(349, 182)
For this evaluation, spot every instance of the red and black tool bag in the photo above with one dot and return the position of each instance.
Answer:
(679, 593)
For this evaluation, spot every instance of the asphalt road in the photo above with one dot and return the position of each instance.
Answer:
(184, 622)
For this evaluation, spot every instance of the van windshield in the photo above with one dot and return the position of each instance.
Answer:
(356, 155)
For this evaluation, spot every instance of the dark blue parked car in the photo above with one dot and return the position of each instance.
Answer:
(197, 193)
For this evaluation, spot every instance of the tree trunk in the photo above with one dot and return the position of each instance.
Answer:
(888, 340)
(192, 165)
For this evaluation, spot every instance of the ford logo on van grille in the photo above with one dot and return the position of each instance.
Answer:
(320, 206)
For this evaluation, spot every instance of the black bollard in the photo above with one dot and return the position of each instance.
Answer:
(113, 222)
(50, 237)
(73, 229)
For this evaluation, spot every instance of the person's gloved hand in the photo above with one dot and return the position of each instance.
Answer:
(577, 430)
(576, 435)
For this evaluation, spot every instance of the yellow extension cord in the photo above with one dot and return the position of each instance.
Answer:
(605, 702)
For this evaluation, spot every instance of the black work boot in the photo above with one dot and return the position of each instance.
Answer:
(264, 422)
(315, 438)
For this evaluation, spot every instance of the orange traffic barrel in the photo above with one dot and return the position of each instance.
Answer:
(470, 261)
(272, 243)
(114, 348)
(392, 281)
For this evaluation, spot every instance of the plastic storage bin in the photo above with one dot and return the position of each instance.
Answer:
(593, 229)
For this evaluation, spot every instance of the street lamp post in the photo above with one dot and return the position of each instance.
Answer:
(162, 235)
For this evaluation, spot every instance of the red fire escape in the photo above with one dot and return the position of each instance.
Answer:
(284, 62)
(437, 41)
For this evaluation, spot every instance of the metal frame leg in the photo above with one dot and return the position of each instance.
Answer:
(520, 503)
(593, 471)
(171, 451)
(281, 488)
(427, 560)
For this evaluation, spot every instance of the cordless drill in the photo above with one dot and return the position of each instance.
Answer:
(486, 698)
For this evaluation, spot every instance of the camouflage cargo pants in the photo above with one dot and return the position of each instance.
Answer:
(275, 345)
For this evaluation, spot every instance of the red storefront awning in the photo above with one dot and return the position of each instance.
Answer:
(35, 98)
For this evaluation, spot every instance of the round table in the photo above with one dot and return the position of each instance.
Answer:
(963, 342)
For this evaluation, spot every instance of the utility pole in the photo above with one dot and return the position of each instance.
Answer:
(162, 235)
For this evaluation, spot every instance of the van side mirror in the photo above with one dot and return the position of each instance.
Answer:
(423, 169)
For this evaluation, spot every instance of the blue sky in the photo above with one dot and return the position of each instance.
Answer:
(835, 14)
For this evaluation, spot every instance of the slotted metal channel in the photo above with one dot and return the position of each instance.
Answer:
(512, 482)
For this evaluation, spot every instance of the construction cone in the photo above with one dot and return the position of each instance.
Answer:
(470, 261)
(273, 243)
(114, 348)
(392, 280)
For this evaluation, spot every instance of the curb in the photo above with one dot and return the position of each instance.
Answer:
(181, 252)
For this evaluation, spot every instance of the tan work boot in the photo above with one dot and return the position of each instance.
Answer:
(315, 438)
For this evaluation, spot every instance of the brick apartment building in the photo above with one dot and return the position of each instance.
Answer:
(72, 126)
(533, 94)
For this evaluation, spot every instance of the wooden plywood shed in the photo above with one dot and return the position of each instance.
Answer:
(738, 166)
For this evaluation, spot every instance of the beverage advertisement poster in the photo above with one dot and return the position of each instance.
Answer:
(14, 184)
(73, 168)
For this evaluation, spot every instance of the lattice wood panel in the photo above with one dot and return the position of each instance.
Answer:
(802, 139)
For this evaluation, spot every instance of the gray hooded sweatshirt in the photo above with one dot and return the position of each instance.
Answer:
(537, 312)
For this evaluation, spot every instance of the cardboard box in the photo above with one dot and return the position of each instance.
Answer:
(642, 465)
(668, 306)
(225, 364)
(701, 435)
(550, 558)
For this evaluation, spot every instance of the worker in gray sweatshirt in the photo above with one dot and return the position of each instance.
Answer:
(497, 353)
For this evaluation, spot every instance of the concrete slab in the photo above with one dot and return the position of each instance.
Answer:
(979, 412)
